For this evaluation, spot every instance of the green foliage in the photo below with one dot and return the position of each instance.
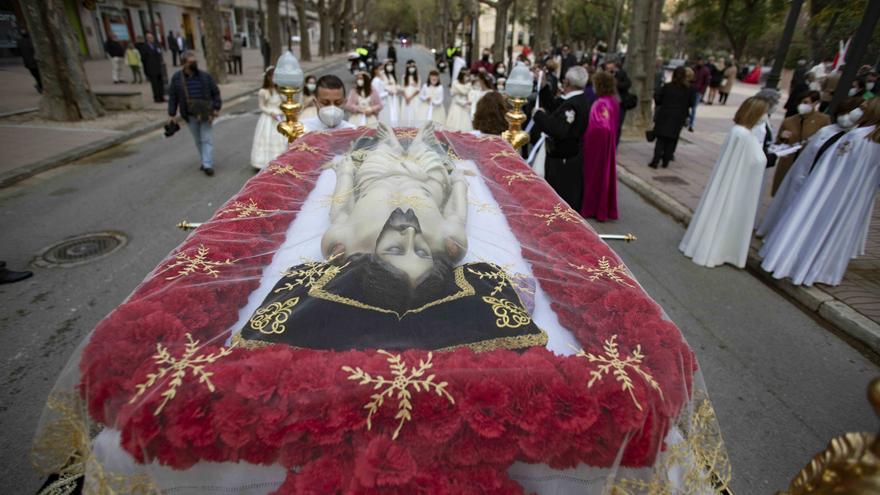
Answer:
(583, 22)
(731, 24)
(393, 16)
(834, 21)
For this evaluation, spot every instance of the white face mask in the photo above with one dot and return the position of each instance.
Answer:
(852, 91)
(844, 121)
(311, 87)
(360, 83)
(411, 70)
(869, 86)
(331, 116)
(389, 68)
(856, 115)
(500, 70)
(804, 108)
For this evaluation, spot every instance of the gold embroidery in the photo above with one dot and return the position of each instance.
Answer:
(239, 341)
(318, 291)
(611, 361)
(275, 314)
(483, 207)
(305, 148)
(503, 278)
(486, 137)
(500, 154)
(308, 276)
(452, 155)
(510, 343)
(699, 459)
(403, 379)
(335, 199)
(408, 132)
(177, 367)
(605, 270)
(245, 210)
(194, 264)
(278, 169)
(560, 212)
(523, 176)
(64, 447)
(509, 315)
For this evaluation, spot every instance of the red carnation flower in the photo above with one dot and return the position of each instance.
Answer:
(384, 463)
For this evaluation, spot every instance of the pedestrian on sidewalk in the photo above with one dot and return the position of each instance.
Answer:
(172, 45)
(797, 129)
(729, 75)
(309, 107)
(197, 96)
(133, 59)
(828, 223)
(268, 142)
(237, 45)
(673, 105)
(701, 82)
(265, 51)
(628, 101)
(29, 57)
(715, 76)
(227, 53)
(115, 52)
(600, 151)
(152, 60)
(721, 228)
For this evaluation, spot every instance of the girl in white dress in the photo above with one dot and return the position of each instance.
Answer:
(385, 82)
(363, 105)
(410, 103)
(480, 86)
(459, 117)
(432, 100)
(721, 228)
(309, 109)
(268, 142)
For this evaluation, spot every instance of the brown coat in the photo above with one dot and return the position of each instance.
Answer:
(729, 75)
(801, 128)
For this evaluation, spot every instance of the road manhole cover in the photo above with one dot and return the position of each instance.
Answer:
(81, 249)
(671, 179)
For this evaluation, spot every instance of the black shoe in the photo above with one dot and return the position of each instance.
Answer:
(665, 164)
(691, 128)
(208, 171)
(653, 164)
(9, 276)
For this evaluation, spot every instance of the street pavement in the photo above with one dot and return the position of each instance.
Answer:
(782, 384)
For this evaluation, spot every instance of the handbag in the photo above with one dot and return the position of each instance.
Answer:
(200, 108)
(629, 101)
(650, 136)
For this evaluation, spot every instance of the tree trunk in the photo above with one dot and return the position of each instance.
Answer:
(305, 44)
(544, 18)
(214, 40)
(475, 34)
(615, 28)
(66, 91)
(273, 29)
(324, 18)
(501, 8)
(644, 31)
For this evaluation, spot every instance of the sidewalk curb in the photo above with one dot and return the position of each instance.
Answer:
(26, 171)
(823, 305)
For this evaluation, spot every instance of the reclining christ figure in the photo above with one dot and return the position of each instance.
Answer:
(390, 280)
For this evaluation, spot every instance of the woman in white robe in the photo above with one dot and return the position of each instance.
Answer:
(431, 95)
(410, 102)
(721, 227)
(479, 87)
(309, 109)
(385, 84)
(268, 142)
(459, 115)
(826, 225)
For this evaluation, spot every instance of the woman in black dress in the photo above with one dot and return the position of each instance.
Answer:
(674, 101)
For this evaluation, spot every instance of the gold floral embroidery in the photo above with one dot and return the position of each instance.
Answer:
(560, 212)
(452, 155)
(305, 148)
(510, 315)
(503, 279)
(523, 176)
(501, 154)
(245, 210)
(483, 207)
(404, 378)
(408, 132)
(699, 458)
(310, 274)
(196, 264)
(511, 342)
(279, 169)
(605, 270)
(177, 368)
(274, 316)
(611, 361)
(64, 447)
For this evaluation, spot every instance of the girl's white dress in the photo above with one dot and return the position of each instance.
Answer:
(387, 89)
(432, 104)
(409, 112)
(459, 116)
(476, 92)
(268, 142)
(309, 109)
(357, 103)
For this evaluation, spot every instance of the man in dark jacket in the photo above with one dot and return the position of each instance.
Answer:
(29, 57)
(116, 52)
(198, 97)
(702, 77)
(627, 100)
(565, 129)
(151, 57)
(673, 105)
(568, 60)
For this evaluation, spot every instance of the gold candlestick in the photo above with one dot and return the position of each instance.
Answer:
(290, 128)
(515, 118)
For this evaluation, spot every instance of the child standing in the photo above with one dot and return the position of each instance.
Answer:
(133, 59)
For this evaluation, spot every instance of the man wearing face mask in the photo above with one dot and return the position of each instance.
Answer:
(329, 98)
(484, 63)
(797, 129)
(198, 97)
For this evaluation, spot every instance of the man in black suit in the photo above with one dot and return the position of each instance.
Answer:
(151, 56)
(565, 129)
(568, 60)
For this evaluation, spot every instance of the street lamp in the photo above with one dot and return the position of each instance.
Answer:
(289, 79)
(519, 87)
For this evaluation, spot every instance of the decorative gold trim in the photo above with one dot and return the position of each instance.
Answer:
(502, 154)
(176, 368)
(504, 279)
(305, 148)
(317, 290)
(483, 207)
(251, 344)
(415, 202)
(510, 343)
(611, 361)
(406, 132)
(560, 212)
(195, 264)
(404, 378)
(246, 210)
(510, 315)
(279, 169)
(523, 176)
(274, 316)
(308, 276)
(605, 270)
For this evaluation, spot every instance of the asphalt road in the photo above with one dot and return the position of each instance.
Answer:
(781, 383)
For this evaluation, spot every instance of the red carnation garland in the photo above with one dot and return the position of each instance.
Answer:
(271, 405)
